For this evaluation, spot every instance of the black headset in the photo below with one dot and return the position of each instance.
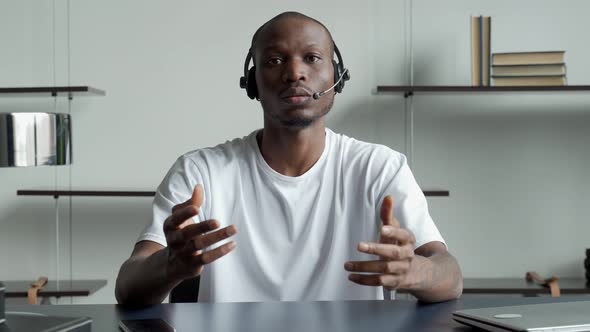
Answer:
(248, 81)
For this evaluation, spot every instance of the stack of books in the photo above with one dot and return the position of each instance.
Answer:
(529, 68)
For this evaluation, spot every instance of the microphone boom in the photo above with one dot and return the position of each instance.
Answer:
(317, 95)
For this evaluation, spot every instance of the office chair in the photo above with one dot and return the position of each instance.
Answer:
(186, 292)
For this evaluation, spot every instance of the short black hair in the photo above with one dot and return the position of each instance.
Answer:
(288, 15)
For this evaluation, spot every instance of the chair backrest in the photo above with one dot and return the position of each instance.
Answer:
(185, 292)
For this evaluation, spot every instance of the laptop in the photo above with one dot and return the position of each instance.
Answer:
(555, 317)
(33, 322)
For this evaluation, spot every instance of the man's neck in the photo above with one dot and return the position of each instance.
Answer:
(292, 152)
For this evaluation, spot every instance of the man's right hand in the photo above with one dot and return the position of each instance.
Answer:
(188, 240)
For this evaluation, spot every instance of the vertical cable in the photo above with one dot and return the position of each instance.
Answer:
(370, 42)
(411, 40)
(54, 77)
(407, 80)
(53, 44)
(71, 150)
(57, 241)
(68, 41)
(55, 177)
(411, 100)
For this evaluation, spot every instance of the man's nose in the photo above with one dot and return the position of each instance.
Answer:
(294, 71)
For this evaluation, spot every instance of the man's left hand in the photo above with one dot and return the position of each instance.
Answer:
(395, 250)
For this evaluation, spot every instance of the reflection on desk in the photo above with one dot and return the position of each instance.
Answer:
(400, 315)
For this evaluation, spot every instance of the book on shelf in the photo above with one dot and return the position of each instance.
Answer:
(528, 58)
(529, 80)
(475, 52)
(529, 70)
(480, 50)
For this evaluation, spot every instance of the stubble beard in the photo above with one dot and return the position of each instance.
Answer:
(301, 122)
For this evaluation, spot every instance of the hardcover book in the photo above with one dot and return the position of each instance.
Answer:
(480, 50)
(530, 80)
(527, 58)
(529, 70)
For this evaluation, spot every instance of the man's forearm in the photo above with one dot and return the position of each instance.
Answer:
(144, 280)
(435, 278)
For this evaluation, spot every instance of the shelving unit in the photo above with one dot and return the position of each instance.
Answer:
(436, 192)
(56, 287)
(139, 193)
(94, 193)
(495, 286)
(409, 90)
(19, 288)
(51, 91)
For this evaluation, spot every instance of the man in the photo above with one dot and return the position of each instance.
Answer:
(314, 209)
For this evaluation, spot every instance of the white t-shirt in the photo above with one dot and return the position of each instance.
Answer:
(294, 233)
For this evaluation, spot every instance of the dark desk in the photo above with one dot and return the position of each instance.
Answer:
(362, 316)
(18, 288)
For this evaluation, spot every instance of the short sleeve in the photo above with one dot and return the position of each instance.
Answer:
(410, 205)
(176, 187)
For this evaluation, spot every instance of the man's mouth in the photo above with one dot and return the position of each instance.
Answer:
(295, 95)
(296, 100)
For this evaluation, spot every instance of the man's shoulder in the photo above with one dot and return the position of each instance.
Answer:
(223, 152)
(353, 149)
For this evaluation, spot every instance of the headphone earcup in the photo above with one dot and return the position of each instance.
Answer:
(337, 72)
(251, 87)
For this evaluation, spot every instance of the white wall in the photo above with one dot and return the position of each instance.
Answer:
(515, 163)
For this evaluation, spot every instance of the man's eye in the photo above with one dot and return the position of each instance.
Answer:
(275, 61)
(313, 58)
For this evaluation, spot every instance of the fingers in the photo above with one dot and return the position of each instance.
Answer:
(198, 195)
(387, 251)
(387, 212)
(206, 240)
(380, 266)
(396, 235)
(388, 280)
(190, 231)
(210, 256)
(195, 200)
(395, 250)
(178, 239)
(190, 252)
(179, 216)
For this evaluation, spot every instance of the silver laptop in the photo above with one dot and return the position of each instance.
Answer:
(555, 317)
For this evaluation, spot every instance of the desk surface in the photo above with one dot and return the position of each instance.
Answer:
(18, 288)
(400, 315)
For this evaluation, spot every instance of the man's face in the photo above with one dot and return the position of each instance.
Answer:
(293, 58)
